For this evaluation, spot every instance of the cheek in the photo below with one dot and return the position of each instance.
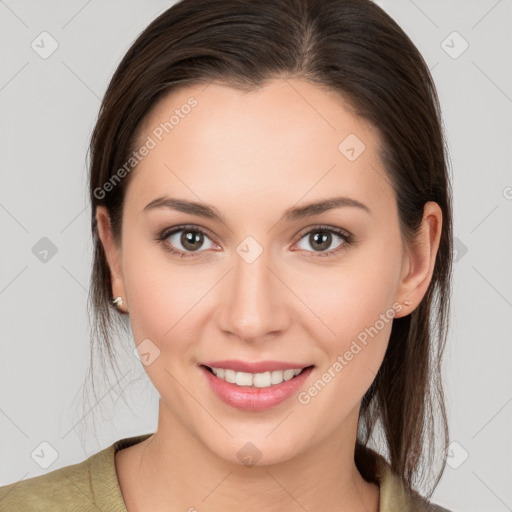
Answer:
(353, 322)
(350, 312)
(343, 300)
(159, 294)
(163, 308)
(355, 319)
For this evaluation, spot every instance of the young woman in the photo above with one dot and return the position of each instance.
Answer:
(271, 212)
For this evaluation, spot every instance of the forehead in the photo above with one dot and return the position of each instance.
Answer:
(288, 138)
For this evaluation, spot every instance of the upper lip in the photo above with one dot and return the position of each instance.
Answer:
(255, 367)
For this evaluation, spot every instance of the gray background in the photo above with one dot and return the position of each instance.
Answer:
(49, 106)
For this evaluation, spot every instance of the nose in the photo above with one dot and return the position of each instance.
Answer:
(256, 302)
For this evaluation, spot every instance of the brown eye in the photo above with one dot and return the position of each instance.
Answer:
(324, 241)
(191, 240)
(185, 240)
(320, 240)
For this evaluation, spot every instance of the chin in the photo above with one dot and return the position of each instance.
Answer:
(254, 452)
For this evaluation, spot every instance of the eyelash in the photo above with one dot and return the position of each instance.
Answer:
(347, 238)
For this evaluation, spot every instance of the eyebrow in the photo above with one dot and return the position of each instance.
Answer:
(291, 214)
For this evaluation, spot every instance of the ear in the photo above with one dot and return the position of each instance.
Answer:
(419, 259)
(113, 253)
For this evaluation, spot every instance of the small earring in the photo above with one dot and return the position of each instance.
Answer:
(118, 301)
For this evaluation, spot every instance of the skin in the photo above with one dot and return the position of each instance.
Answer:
(252, 156)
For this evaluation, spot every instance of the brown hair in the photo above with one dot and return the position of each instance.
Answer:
(349, 46)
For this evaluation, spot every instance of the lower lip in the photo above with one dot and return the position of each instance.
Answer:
(255, 399)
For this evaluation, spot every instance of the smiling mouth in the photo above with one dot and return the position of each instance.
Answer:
(255, 380)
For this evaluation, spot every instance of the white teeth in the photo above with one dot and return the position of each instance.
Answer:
(259, 380)
(243, 379)
(229, 376)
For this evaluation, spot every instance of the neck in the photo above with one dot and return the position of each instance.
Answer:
(174, 470)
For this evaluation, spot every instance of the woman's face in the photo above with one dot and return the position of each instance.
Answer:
(260, 285)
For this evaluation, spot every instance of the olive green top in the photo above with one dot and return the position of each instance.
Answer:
(93, 485)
